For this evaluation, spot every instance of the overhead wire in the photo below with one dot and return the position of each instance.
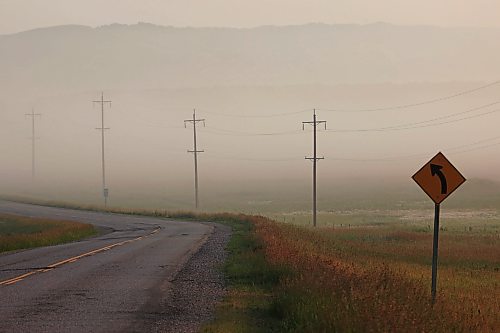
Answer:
(237, 158)
(272, 115)
(221, 131)
(353, 110)
(409, 127)
(444, 117)
(411, 105)
(477, 148)
(452, 150)
(437, 121)
(459, 149)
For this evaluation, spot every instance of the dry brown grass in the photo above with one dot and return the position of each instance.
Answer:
(378, 280)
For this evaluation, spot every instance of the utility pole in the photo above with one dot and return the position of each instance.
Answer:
(33, 139)
(314, 159)
(195, 151)
(105, 190)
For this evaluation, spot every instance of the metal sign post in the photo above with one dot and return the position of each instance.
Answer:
(438, 178)
(435, 252)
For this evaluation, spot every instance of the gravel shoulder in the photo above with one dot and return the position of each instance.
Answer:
(190, 298)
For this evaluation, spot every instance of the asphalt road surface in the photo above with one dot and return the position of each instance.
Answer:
(109, 283)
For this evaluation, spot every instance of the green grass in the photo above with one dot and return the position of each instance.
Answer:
(249, 306)
(13, 225)
(18, 232)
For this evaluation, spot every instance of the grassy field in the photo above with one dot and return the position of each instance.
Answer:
(18, 232)
(367, 278)
(360, 271)
(452, 219)
(378, 279)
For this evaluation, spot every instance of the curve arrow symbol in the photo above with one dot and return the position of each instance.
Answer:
(436, 170)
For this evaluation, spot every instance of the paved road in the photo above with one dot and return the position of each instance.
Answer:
(104, 284)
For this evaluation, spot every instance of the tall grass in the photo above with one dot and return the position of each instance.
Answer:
(339, 286)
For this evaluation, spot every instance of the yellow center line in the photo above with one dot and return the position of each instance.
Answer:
(72, 259)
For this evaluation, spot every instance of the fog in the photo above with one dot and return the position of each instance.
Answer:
(392, 97)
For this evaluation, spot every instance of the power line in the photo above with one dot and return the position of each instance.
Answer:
(444, 117)
(458, 149)
(151, 124)
(314, 159)
(271, 115)
(220, 131)
(195, 151)
(385, 108)
(473, 143)
(237, 158)
(406, 126)
(477, 148)
(105, 190)
(400, 157)
(411, 105)
(33, 115)
(409, 126)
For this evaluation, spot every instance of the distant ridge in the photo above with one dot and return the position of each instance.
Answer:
(146, 25)
(148, 55)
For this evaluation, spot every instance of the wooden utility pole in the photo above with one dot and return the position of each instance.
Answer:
(314, 159)
(105, 190)
(33, 115)
(195, 152)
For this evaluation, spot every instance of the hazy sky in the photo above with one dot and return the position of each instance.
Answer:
(19, 15)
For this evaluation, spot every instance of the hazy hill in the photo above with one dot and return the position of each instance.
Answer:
(149, 56)
(156, 75)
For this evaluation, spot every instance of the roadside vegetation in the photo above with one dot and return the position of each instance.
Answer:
(371, 279)
(362, 280)
(287, 278)
(18, 232)
(356, 277)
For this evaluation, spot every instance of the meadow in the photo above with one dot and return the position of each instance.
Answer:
(363, 278)
(360, 270)
(18, 232)
(379, 280)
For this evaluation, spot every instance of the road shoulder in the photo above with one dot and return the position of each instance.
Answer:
(195, 290)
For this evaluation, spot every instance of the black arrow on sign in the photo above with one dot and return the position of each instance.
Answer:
(436, 170)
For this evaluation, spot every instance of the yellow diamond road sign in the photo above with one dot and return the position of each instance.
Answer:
(438, 178)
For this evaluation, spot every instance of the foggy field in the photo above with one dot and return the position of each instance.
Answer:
(144, 118)
(470, 221)
(18, 232)
(361, 270)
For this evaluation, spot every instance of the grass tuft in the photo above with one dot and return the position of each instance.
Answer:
(18, 232)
